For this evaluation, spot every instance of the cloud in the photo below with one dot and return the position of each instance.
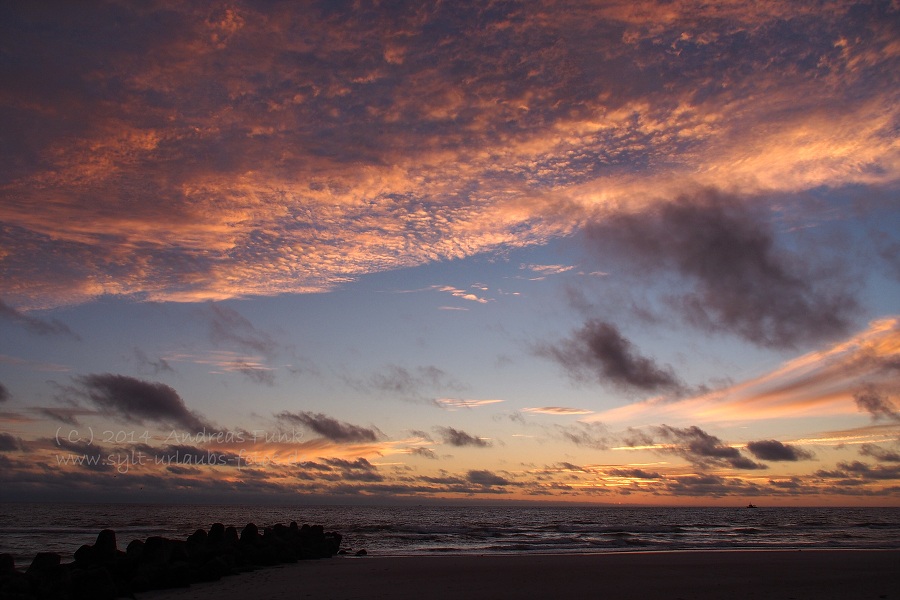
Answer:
(35, 325)
(462, 294)
(378, 151)
(227, 361)
(230, 327)
(414, 383)
(776, 451)
(10, 443)
(158, 366)
(878, 453)
(702, 449)
(135, 400)
(69, 416)
(457, 403)
(876, 404)
(460, 439)
(557, 410)
(486, 478)
(339, 469)
(817, 383)
(738, 280)
(331, 429)
(861, 471)
(589, 435)
(423, 452)
(4, 393)
(599, 352)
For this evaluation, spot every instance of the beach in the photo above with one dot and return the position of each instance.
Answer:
(694, 575)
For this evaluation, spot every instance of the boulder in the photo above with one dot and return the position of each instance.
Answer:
(250, 534)
(216, 534)
(7, 564)
(105, 548)
(43, 562)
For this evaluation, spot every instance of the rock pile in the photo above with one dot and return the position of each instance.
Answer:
(103, 572)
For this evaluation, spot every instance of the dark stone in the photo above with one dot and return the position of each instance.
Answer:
(361, 552)
(105, 547)
(231, 536)
(49, 579)
(43, 561)
(250, 534)
(216, 534)
(85, 555)
(135, 550)
(7, 564)
(199, 537)
(156, 551)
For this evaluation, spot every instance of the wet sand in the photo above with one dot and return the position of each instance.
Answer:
(732, 575)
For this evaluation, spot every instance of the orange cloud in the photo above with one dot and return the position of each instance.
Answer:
(209, 161)
(816, 384)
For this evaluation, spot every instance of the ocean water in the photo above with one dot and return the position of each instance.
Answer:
(26, 529)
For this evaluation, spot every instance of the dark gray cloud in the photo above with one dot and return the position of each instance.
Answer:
(10, 443)
(876, 404)
(35, 325)
(184, 455)
(157, 366)
(4, 393)
(415, 383)
(588, 435)
(776, 451)
(598, 351)
(709, 486)
(857, 470)
(69, 416)
(703, 449)
(423, 452)
(228, 326)
(733, 276)
(878, 453)
(136, 401)
(339, 469)
(486, 478)
(636, 473)
(330, 428)
(458, 438)
(889, 250)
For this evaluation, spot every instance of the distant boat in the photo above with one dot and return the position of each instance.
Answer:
(751, 505)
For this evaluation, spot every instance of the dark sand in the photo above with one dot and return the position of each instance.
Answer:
(728, 575)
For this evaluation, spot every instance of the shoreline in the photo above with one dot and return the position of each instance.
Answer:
(687, 574)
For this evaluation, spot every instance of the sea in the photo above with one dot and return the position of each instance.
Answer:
(26, 529)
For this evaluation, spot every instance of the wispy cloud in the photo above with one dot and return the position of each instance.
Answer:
(557, 410)
(460, 293)
(821, 383)
(34, 324)
(462, 403)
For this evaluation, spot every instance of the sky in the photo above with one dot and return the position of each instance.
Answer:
(612, 252)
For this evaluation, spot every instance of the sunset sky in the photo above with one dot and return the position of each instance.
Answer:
(615, 251)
